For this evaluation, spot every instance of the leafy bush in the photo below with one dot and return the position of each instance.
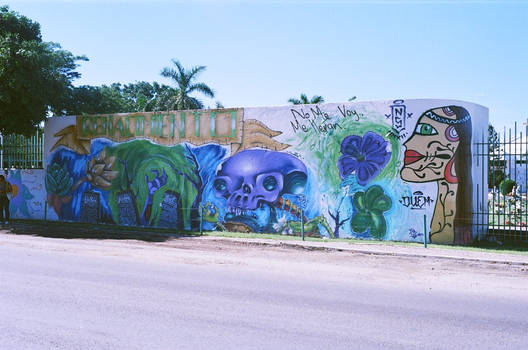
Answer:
(506, 186)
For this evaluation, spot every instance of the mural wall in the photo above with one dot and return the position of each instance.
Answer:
(28, 200)
(365, 170)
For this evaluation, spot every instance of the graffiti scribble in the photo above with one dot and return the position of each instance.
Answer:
(398, 115)
(418, 200)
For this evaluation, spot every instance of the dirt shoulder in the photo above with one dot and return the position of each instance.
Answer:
(111, 232)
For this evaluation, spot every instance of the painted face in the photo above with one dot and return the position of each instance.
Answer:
(430, 149)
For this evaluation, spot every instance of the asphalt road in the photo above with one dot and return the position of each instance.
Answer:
(83, 294)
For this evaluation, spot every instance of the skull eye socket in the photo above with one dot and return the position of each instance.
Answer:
(220, 185)
(270, 183)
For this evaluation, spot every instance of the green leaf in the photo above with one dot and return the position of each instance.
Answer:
(359, 201)
(370, 206)
(361, 222)
(372, 194)
(378, 225)
(58, 180)
(381, 204)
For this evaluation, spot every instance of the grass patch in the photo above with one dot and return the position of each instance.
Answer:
(277, 237)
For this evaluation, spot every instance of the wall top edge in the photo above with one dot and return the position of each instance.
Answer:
(358, 102)
(380, 101)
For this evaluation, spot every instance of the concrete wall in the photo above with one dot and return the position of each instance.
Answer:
(368, 169)
(29, 194)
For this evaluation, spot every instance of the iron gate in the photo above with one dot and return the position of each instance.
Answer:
(502, 203)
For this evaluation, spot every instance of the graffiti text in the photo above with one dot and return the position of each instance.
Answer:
(417, 200)
(306, 121)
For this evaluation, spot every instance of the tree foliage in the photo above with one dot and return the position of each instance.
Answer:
(116, 98)
(93, 100)
(496, 161)
(146, 97)
(35, 76)
(495, 177)
(186, 84)
(493, 139)
(506, 186)
(305, 101)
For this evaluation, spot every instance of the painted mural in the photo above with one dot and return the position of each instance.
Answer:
(28, 200)
(368, 170)
(439, 150)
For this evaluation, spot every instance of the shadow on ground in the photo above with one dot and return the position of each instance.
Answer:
(76, 230)
(70, 230)
(504, 245)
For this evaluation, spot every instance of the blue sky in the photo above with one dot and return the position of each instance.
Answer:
(261, 53)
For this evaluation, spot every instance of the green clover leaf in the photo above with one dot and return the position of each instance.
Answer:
(370, 206)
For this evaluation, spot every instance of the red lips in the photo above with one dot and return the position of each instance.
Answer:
(412, 156)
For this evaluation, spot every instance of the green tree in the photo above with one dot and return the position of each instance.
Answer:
(116, 98)
(35, 76)
(506, 186)
(493, 139)
(496, 162)
(305, 101)
(186, 84)
(495, 177)
(88, 99)
(146, 97)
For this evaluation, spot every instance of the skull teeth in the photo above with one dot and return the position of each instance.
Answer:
(237, 211)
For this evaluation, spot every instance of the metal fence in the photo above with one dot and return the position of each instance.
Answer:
(20, 152)
(502, 205)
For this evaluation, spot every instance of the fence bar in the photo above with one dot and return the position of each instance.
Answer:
(509, 176)
(484, 197)
(516, 152)
(425, 231)
(201, 218)
(525, 151)
(20, 152)
(302, 224)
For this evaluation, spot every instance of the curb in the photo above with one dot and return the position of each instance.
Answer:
(300, 246)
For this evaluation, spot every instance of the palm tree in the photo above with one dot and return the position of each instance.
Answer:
(185, 80)
(304, 100)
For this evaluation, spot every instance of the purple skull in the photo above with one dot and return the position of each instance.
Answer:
(252, 178)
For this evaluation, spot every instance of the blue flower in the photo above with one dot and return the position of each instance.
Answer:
(366, 156)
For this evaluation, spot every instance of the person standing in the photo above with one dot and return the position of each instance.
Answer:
(5, 188)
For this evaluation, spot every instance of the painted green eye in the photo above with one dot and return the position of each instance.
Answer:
(425, 129)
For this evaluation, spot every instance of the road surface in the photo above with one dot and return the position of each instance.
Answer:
(191, 293)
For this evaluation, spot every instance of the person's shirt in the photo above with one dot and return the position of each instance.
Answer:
(4, 188)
